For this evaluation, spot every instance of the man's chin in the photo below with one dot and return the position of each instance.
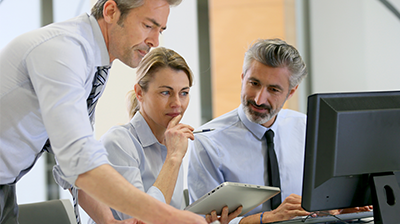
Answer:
(256, 118)
(260, 120)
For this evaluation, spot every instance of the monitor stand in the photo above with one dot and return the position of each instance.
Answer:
(385, 198)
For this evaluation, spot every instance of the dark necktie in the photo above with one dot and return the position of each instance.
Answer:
(99, 80)
(273, 168)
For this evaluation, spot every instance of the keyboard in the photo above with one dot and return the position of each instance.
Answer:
(367, 217)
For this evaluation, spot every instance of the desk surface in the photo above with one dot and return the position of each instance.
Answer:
(363, 216)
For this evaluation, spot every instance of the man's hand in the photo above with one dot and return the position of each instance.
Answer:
(351, 210)
(290, 208)
(225, 218)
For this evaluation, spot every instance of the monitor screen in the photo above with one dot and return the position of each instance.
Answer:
(350, 138)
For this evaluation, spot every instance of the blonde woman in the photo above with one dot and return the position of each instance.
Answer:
(148, 151)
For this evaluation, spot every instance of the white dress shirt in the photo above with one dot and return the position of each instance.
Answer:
(46, 76)
(137, 155)
(235, 151)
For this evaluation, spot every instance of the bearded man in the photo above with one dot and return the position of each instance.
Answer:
(237, 150)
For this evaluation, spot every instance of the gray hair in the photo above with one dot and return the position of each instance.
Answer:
(277, 53)
(124, 6)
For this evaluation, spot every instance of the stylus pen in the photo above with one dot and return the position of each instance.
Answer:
(203, 130)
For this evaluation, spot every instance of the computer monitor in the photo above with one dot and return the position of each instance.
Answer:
(352, 152)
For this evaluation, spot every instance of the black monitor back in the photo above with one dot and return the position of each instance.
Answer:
(349, 137)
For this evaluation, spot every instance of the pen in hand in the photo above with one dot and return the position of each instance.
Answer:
(203, 130)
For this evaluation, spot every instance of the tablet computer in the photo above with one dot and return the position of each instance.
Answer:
(233, 195)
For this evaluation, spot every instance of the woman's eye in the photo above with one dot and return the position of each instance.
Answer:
(165, 92)
(185, 93)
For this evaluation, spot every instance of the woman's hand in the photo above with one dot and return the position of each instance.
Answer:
(176, 138)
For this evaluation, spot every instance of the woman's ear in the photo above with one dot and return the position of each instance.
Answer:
(138, 92)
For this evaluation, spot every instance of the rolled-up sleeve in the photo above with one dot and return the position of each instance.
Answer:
(62, 86)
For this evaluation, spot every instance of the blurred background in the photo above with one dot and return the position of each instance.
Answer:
(348, 46)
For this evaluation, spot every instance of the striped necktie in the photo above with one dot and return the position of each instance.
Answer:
(99, 81)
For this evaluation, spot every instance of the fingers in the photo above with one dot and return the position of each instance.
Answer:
(211, 217)
(180, 129)
(172, 123)
(208, 218)
(291, 207)
(224, 215)
(235, 213)
(214, 216)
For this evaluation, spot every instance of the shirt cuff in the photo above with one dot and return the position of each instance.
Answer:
(57, 175)
(236, 220)
(156, 193)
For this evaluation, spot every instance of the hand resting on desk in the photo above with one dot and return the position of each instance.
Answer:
(351, 210)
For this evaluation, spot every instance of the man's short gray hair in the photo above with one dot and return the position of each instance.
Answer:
(277, 53)
(124, 7)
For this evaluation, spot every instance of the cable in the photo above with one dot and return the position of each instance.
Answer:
(391, 8)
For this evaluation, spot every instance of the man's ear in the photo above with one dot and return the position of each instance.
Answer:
(111, 12)
(292, 91)
(138, 92)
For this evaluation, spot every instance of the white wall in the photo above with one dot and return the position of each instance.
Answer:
(354, 46)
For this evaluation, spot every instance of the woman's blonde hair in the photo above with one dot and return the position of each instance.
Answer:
(155, 60)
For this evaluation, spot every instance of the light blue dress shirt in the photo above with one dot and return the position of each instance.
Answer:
(46, 76)
(137, 155)
(235, 151)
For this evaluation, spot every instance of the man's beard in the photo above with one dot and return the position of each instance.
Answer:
(257, 117)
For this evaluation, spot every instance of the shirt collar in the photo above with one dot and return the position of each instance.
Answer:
(257, 129)
(143, 131)
(104, 57)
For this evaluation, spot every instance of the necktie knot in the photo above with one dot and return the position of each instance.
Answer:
(270, 136)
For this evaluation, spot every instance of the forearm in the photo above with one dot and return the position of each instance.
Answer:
(98, 211)
(167, 178)
(251, 219)
(255, 219)
(109, 187)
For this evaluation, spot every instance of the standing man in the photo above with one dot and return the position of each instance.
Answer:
(237, 150)
(47, 103)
